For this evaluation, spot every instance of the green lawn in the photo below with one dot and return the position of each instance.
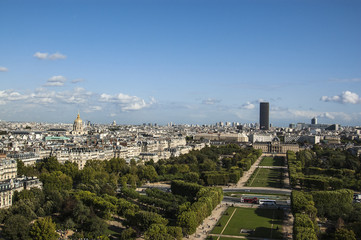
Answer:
(222, 222)
(272, 161)
(267, 223)
(266, 177)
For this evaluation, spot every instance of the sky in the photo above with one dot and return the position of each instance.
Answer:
(186, 61)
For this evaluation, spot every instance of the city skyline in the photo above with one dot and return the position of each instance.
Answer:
(181, 61)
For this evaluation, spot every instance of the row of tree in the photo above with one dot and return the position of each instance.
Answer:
(206, 199)
(209, 166)
(305, 171)
(304, 211)
(317, 171)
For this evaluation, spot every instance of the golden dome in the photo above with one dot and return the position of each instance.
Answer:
(78, 119)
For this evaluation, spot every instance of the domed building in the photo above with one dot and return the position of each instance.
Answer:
(78, 126)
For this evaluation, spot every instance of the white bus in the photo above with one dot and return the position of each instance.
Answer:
(267, 202)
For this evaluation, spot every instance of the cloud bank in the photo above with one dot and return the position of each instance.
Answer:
(126, 102)
(56, 81)
(344, 97)
(3, 69)
(47, 56)
(248, 106)
(210, 101)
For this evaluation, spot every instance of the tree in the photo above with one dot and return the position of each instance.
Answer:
(16, 227)
(43, 229)
(191, 177)
(25, 208)
(144, 219)
(187, 220)
(95, 228)
(344, 234)
(157, 232)
(49, 164)
(147, 173)
(28, 171)
(175, 232)
(128, 234)
(56, 181)
(333, 204)
(71, 169)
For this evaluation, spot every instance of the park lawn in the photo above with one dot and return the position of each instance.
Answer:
(267, 177)
(272, 161)
(222, 222)
(259, 219)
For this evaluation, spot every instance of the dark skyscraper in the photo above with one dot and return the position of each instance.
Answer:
(264, 116)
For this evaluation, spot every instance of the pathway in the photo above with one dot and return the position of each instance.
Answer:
(248, 174)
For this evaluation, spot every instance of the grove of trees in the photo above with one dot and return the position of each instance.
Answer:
(326, 180)
(84, 201)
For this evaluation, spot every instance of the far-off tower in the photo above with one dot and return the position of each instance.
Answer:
(264, 116)
(314, 120)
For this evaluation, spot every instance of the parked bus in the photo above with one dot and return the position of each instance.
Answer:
(267, 202)
(249, 200)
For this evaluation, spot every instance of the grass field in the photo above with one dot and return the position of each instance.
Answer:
(266, 177)
(272, 161)
(266, 223)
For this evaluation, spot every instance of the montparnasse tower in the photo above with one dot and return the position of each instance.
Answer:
(78, 125)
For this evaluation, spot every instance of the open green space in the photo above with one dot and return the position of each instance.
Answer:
(266, 177)
(222, 222)
(264, 223)
(273, 161)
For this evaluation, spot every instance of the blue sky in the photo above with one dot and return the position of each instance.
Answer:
(180, 61)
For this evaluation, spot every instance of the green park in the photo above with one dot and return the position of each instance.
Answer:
(273, 161)
(266, 177)
(249, 222)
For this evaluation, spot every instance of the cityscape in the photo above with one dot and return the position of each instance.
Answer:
(170, 120)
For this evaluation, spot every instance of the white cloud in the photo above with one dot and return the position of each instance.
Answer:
(40, 55)
(77, 80)
(47, 56)
(42, 96)
(211, 101)
(10, 95)
(284, 113)
(3, 69)
(344, 97)
(56, 81)
(93, 109)
(76, 96)
(248, 105)
(126, 102)
(56, 56)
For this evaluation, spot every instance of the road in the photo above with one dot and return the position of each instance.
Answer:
(263, 190)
